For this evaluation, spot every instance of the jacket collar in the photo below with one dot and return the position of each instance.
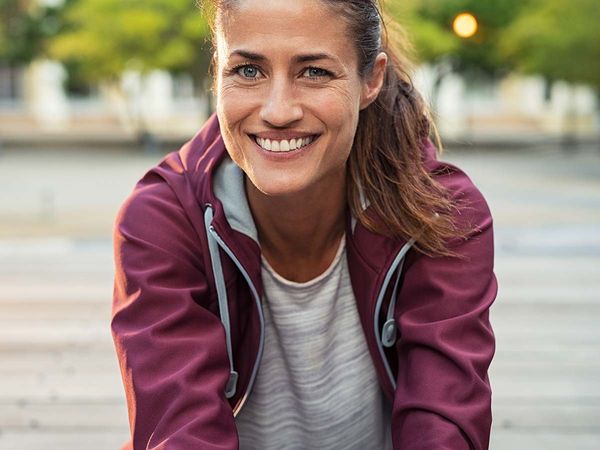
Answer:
(228, 185)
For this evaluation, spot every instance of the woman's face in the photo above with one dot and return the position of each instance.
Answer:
(289, 93)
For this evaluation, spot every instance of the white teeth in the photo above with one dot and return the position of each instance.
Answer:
(283, 145)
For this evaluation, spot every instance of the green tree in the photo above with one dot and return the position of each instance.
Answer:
(432, 41)
(102, 39)
(24, 29)
(429, 23)
(559, 39)
(106, 37)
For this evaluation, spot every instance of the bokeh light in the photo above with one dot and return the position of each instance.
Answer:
(465, 25)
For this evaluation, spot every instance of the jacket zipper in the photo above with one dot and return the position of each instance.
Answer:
(244, 272)
(388, 276)
(379, 303)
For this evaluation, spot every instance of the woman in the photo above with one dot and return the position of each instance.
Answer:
(304, 273)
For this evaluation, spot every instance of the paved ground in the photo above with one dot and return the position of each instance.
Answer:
(546, 373)
(59, 380)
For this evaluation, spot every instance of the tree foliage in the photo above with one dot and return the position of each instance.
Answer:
(103, 38)
(431, 40)
(430, 25)
(24, 30)
(557, 38)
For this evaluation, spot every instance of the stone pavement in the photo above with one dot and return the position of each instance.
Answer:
(546, 372)
(59, 380)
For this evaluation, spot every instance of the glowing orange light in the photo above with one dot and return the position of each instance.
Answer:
(465, 25)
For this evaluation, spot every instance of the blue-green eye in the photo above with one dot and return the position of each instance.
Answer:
(315, 72)
(248, 71)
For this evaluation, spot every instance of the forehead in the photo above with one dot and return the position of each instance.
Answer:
(277, 27)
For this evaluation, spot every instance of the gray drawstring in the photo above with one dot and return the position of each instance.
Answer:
(217, 268)
(389, 331)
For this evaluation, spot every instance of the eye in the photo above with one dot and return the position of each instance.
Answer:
(316, 72)
(248, 71)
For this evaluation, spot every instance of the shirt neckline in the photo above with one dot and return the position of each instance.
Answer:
(305, 284)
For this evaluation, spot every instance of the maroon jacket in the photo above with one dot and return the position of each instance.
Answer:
(431, 346)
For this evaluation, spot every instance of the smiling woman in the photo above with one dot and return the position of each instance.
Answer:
(305, 273)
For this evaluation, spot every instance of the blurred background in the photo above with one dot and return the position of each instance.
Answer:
(94, 92)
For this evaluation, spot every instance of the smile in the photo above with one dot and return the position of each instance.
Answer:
(284, 145)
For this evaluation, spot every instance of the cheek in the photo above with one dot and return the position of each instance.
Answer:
(231, 105)
(338, 108)
(339, 111)
(232, 108)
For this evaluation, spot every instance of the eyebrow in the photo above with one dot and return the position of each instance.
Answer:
(297, 59)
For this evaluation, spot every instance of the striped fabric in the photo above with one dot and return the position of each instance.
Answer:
(316, 387)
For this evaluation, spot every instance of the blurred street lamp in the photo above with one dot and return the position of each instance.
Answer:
(465, 25)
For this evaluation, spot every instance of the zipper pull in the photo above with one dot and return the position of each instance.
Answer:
(388, 335)
(231, 384)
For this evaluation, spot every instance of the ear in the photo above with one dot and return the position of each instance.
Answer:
(372, 85)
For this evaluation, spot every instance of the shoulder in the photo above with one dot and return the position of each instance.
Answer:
(153, 222)
(471, 207)
(166, 201)
(466, 281)
(152, 198)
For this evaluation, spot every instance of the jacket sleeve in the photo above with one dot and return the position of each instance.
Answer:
(171, 350)
(443, 395)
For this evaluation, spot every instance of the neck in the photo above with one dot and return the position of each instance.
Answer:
(300, 233)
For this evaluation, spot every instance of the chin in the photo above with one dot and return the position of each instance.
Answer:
(274, 188)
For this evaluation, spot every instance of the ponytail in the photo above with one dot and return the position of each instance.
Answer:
(386, 167)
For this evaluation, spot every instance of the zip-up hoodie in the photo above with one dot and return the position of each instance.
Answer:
(187, 318)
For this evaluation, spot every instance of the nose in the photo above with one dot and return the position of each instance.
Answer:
(280, 107)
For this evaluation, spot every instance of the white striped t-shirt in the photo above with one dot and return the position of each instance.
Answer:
(316, 386)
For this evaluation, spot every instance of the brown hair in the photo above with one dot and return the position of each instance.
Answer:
(386, 167)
